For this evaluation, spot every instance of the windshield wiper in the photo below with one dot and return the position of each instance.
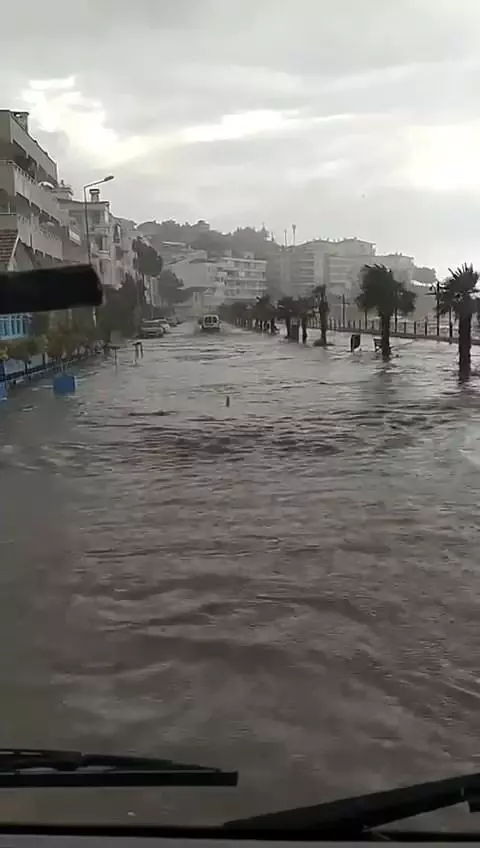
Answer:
(354, 817)
(45, 768)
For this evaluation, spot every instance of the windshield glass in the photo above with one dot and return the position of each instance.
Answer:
(238, 511)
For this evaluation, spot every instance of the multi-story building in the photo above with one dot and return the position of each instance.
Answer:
(27, 206)
(32, 228)
(245, 277)
(291, 272)
(100, 230)
(215, 294)
(204, 278)
(190, 266)
(124, 235)
(342, 273)
(74, 247)
(214, 282)
(297, 270)
(402, 266)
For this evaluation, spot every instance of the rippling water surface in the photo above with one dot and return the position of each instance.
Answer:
(289, 585)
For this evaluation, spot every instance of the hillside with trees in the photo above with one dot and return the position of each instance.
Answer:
(201, 236)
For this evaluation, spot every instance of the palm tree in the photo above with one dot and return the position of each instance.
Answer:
(304, 309)
(380, 291)
(263, 310)
(287, 309)
(459, 292)
(321, 302)
(239, 312)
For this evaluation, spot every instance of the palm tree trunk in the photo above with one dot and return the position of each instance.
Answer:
(304, 328)
(464, 346)
(323, 327)
(385, 334)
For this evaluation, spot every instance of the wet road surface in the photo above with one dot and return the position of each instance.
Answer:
(289, 585)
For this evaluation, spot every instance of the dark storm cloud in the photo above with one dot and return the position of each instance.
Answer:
(342, 103)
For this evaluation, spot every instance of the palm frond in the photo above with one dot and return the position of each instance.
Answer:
(406, 301)
(382, 293)
(459, 292)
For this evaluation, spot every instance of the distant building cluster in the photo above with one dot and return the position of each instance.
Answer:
(297, 269)
(215, 280)
(42, 224)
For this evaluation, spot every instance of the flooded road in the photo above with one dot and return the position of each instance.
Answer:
(289, 586)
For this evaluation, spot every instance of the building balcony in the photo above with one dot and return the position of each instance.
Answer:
(40, 238)
(15, 130)
(14, 181)
(98, 230)
(33, 234)
(101, 252)
(74, 237)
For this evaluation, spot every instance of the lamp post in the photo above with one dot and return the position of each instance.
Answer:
(85, 211)
(87, 232)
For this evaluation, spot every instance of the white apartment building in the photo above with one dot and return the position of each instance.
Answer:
(402, 266)
(33, 229)
(245, 278)
(124, 235)
(297, 270)
(100, 230)
(28, 209)
(190, 266)
(342, 273)
(205, 278)
(215, 294)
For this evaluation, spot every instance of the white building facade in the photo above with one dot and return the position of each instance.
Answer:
(297, 270)
(33, 228)
(100, 234)
(402, 266)
(124, 235)
(245, 278)
(27, 205)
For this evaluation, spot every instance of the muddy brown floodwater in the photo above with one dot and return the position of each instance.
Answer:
(289, 586)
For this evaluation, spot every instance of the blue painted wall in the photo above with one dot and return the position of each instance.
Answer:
(13, 326)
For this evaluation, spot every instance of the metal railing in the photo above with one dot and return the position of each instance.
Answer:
(19, 182)
(418, 329)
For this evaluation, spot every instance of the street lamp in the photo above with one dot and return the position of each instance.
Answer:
(85, 211)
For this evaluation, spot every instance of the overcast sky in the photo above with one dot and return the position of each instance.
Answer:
(346, 117)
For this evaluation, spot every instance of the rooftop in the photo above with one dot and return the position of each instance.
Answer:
(23, 124)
